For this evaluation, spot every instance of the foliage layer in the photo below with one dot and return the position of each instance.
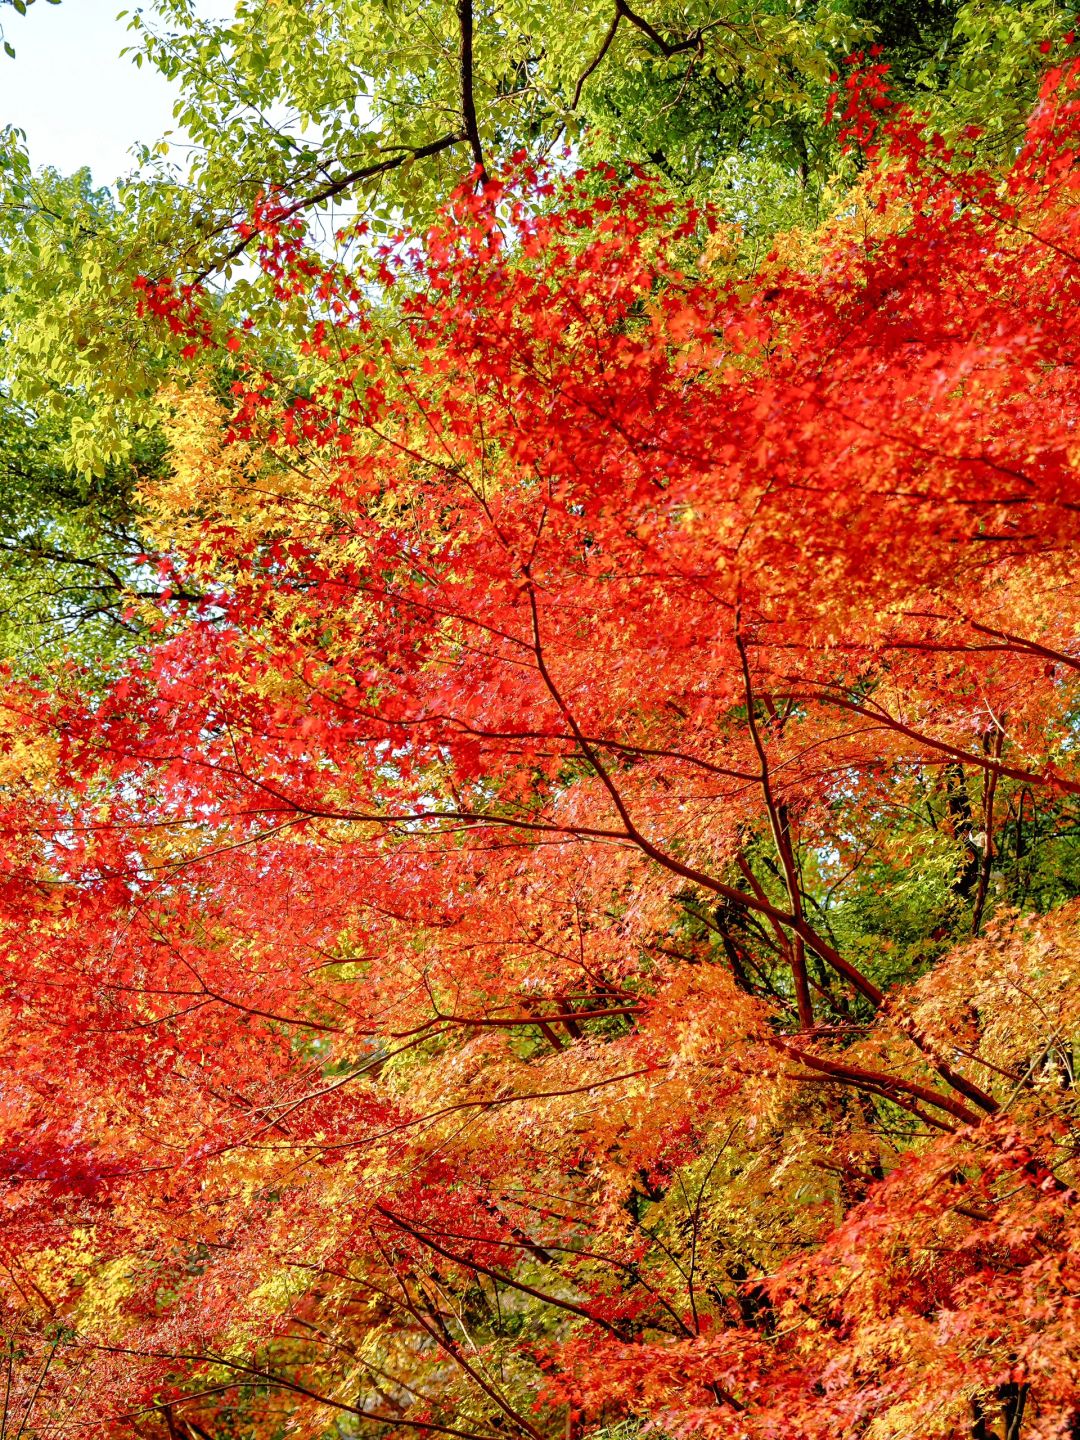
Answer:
(566, 922)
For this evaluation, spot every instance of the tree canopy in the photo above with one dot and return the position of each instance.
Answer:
(385, 108)
(559, 920)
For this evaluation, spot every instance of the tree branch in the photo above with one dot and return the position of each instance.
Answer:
(782, 840)
(665, 47)
(468, 102)
(604, 48)
(335, 187)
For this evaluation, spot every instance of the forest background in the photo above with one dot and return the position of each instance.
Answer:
(538, 764)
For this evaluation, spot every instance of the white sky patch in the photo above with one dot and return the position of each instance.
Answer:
(68, 88)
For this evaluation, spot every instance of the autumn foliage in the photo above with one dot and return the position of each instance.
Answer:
(461, 978)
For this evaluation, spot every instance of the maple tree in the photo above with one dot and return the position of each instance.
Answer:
(374, 105)
(572, 921)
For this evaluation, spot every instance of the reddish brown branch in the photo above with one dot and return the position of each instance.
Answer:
(781, 834)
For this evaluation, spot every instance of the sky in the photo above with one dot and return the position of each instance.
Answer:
(68, 88)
